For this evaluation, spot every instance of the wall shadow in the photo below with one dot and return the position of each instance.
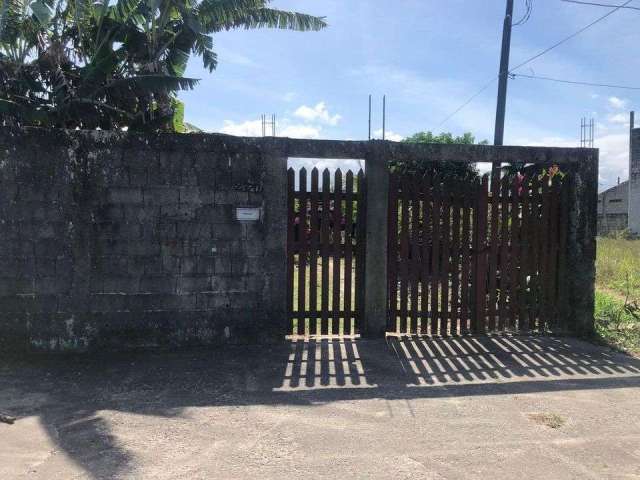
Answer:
(305, 373)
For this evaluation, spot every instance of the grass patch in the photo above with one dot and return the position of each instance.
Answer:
(618, 267)
(618, 322)
(617, 313)
(551, 420)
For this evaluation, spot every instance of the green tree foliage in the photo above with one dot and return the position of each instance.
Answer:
(113, 64)
(446, 170)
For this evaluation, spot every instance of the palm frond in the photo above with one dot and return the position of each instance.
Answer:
(158, 83)
(42, 11)
(27, 113)
(123, 10)
(203, 46)
(177, 60)
(218, 15)
(10, 13)
(226, 11)
(272, 18)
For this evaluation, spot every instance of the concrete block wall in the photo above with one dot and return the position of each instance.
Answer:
(634, 182)
(121, 241)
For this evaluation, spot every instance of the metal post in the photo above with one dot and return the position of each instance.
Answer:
(384, 116)
(369, 116)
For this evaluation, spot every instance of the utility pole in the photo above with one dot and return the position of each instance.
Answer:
(504, 77)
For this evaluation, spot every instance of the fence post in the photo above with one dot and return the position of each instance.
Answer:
(375, 279)
(274, 297)
(581, 243)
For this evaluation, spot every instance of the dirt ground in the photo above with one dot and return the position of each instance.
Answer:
(466, 408)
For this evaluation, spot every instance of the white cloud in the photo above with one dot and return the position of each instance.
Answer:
(289, 96)
(249, 128)
(253, 128)
(616, 102)
(300, 131)
(319, 113)
(619, 118)
(388, 135)
(235, 58)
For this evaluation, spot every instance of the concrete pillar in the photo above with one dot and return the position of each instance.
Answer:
(375, 293)
(581, 244)
(274, 297)
(634, 181)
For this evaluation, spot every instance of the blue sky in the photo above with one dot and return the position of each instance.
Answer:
(427, 56)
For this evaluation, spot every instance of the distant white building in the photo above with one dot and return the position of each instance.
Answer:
(613, 209)
(619, 206)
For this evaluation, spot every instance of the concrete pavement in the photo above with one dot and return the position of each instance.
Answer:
(465, 408)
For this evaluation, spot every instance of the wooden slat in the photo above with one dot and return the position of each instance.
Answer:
(554, 218)
(514, 253)
(427, 213)
(493, 250)
(325, 243)
(544, 259)
(465, 245)
(302, 252)
(314, 321)
(348, 252)
(404, 253)
(414, 264)
(535, 271)
(337, 244)
(445, 255)
(480, 251)
(361, 228)
(310, 313)
(503, 249)
(435, 256)
(290, 238)
(455, 259)
(392, 254)
(524, 253)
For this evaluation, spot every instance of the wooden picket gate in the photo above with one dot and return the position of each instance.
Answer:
(325, 252)
(466, 258)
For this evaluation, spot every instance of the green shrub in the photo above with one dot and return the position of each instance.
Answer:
(618, 321)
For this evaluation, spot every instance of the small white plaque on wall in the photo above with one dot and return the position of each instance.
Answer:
(247, 214)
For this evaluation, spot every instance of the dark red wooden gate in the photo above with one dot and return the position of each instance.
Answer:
(325, 252)
(466, 258)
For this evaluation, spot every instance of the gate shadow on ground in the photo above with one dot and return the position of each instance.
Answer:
(469, 360)
(77, 393)
(327, 370)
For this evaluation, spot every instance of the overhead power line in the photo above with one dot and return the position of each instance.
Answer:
(468, 101)
(534, 57)
(595, 4)
(573, 82)
(528, 4)
(575, 34)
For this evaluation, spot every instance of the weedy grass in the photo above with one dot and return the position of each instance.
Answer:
(617, 311)
(551, 420)
(618, 267)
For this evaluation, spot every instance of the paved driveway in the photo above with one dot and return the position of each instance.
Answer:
(501, 407)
